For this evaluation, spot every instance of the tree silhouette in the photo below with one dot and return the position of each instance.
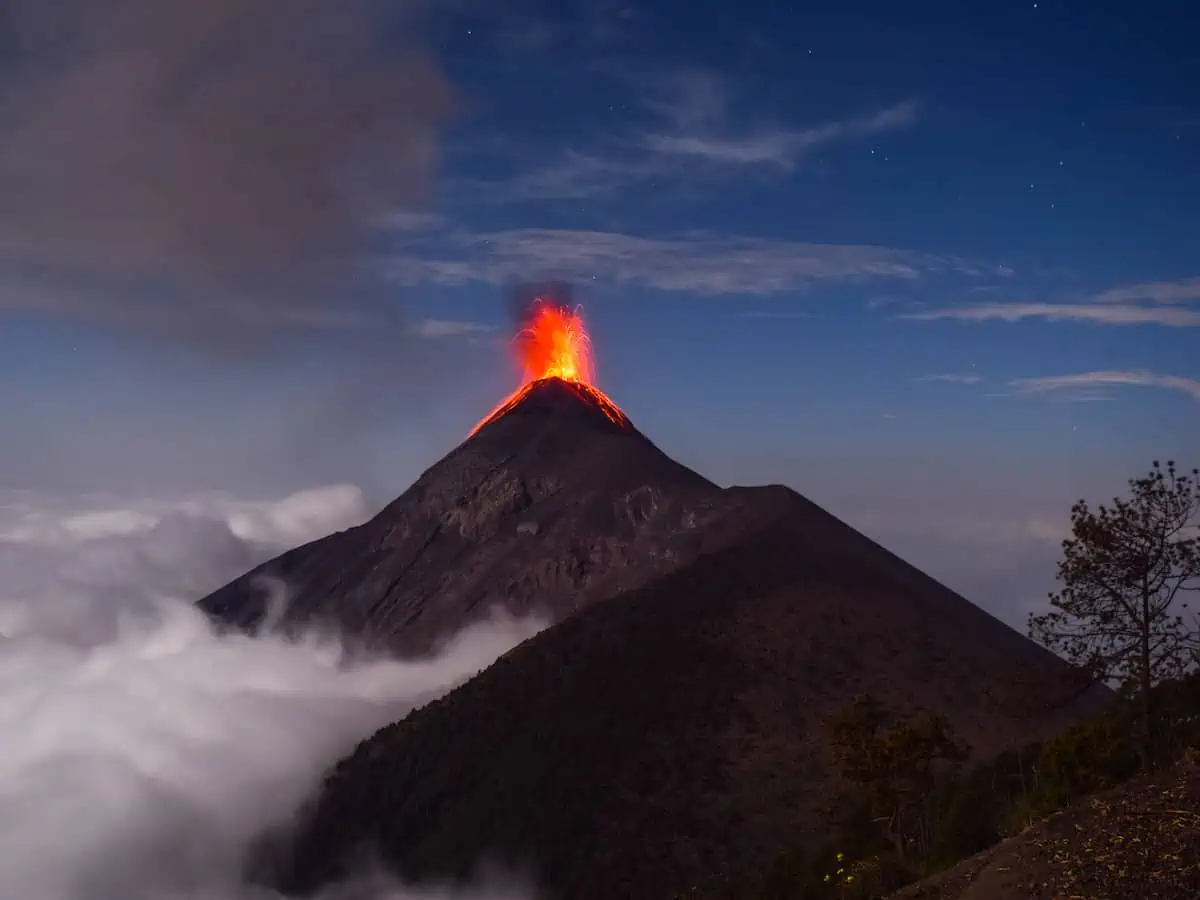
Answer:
(894, 766)
(1125, 574)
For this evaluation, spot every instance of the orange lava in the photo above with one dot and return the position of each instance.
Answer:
(555, 344)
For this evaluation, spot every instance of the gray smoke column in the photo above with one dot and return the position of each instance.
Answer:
(224, 157)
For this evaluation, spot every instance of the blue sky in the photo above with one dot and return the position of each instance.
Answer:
(934, 265)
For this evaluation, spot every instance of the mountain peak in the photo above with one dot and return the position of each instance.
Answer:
(554, 502)
(566, 400)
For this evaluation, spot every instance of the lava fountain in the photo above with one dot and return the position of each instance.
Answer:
(554, 344)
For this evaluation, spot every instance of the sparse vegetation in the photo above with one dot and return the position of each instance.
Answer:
(1110, 807)
(893, 766)
(680, 734)
(1126, 573)
(1004, 798)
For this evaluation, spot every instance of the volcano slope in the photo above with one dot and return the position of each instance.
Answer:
(548, 509)
(1139, 841)
(670, 737)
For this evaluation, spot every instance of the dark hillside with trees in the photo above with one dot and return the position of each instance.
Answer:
(803, 716)
(1043, 813)
(674, 735)
(1108, 808)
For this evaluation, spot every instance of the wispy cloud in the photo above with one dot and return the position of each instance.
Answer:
(951, 378)
(1114, 314)
(573, 176)
(774, 314)
(699, 263)
(1089, 381)
(692, 132)
(1163, 292)
(448, 328)
(1153, 303)
(697, 124)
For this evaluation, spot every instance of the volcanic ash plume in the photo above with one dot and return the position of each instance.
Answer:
(552, 342)
(183, 147)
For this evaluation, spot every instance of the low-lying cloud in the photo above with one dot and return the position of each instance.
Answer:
(141, 753)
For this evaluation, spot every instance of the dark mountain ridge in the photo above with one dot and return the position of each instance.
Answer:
(672, 736)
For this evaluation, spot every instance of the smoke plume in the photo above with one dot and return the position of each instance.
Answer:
(142, 755)
(208, 167)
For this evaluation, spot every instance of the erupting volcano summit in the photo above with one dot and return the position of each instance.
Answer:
(554, 344)
(699, 636)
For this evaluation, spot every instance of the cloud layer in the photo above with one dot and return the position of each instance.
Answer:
(699, 263)
(1159, 303)
(141, 754)
(684, 126)
(697, 125)
(1089, 381)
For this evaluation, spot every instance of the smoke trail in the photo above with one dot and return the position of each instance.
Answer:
(206, 168)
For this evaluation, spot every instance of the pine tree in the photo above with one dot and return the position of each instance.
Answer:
(1126, 572)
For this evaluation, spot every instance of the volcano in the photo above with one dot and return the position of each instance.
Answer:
(544, 510)
(666, 731)
(554, 501)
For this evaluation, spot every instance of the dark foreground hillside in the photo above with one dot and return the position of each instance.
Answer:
(671, 736)
(1140, 841)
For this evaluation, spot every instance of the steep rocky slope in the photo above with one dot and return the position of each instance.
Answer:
(672, 735)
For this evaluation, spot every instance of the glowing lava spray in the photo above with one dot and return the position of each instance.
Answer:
(554, 344)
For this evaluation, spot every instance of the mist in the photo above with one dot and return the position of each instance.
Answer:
(142, 755)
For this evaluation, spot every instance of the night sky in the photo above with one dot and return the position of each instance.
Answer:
(934, 265)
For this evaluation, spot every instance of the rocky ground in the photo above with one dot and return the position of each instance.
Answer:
(1140, 841)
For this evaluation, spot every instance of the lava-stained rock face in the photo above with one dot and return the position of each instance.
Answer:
(548, 509)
